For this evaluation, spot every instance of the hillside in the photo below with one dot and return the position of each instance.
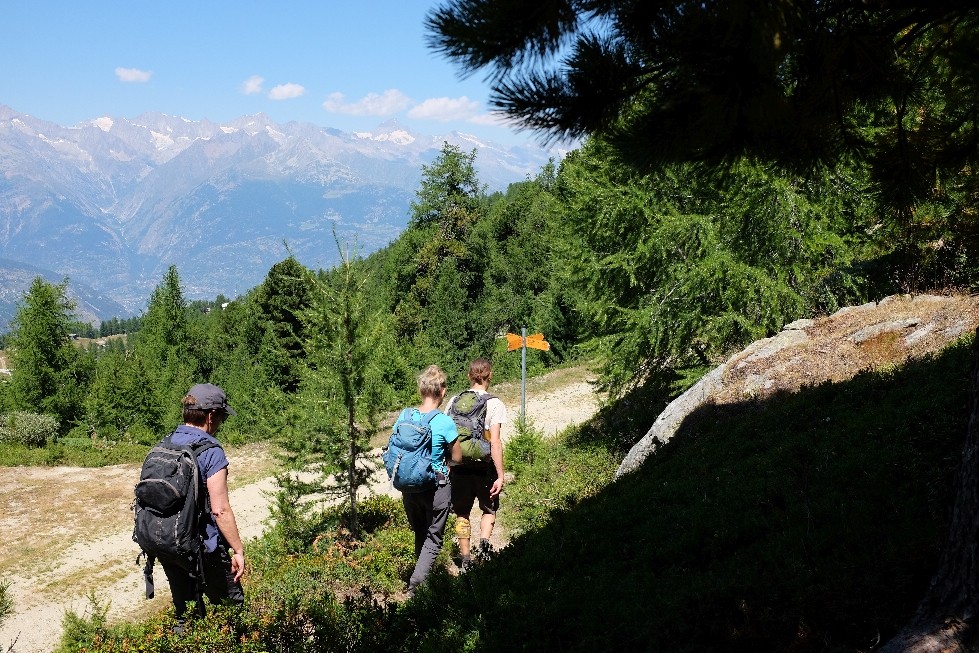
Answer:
(805, 515)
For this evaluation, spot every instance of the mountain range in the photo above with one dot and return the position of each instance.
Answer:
(111, 203)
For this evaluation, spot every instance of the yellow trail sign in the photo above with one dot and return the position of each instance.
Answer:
(533, 341)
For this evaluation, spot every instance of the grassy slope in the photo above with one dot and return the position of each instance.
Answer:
(810, 522)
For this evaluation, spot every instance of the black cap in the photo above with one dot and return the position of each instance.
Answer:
(207, 396)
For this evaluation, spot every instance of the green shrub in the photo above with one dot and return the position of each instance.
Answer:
(524, 447)
(28, 429)
(82, 631)
(551, 475)
(144, 435)
(75, 443)
(319, 549)
(77, 452)
(6, 603)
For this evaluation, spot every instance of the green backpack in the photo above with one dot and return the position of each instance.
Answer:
(468, 411)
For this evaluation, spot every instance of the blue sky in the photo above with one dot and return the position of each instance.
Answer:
(347, 64)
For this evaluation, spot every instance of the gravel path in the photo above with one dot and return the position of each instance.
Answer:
(67, 530)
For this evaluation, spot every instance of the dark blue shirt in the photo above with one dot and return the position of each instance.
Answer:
(210, 462)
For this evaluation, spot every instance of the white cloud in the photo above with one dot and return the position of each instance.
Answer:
(252, 85)
(133, 75)
(387, 103)
(286, 91)
(445, 109)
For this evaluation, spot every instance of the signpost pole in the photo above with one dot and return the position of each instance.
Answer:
(535, 341)
(523, 373)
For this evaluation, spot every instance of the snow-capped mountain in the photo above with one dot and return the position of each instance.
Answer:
(112, 202)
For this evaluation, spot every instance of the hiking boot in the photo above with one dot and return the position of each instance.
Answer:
(179, 626)
(465, 564)
(484, 551)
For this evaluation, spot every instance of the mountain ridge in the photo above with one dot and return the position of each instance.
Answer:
(112, 202)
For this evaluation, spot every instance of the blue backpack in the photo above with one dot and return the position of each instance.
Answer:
(408, 457)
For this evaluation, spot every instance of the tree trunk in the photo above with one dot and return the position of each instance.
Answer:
(946, 617)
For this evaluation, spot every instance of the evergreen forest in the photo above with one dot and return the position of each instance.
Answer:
(789, 159)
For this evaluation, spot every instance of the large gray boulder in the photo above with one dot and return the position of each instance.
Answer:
(806, 352)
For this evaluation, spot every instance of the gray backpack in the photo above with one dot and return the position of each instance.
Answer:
(468, 411)
(169, 506)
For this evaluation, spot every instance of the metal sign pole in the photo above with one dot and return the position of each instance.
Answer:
(523, 374)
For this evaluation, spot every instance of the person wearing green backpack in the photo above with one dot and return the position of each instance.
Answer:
(478, 416)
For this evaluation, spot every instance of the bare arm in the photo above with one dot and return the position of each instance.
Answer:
(456, 451)
(496, 453)
(224, 516)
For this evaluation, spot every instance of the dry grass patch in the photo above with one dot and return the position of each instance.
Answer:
(60, 506)
(250, 463)
(837, 347)
(91, 578)
(545, 384)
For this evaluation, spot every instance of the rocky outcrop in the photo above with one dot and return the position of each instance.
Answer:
(807, 352)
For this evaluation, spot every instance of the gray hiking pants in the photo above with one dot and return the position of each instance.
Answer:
(427, 513)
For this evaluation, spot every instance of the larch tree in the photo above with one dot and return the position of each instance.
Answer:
(349, 347)
(434, 249)
(804, 83)
(282, 299)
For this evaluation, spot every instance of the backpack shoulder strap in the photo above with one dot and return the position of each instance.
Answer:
(402, 417)
(198, 447)
(429, 416)
(481, 400)
(203, 445)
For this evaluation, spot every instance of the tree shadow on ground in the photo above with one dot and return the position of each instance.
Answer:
(806, 522)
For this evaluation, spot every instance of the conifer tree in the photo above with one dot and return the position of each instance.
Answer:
(49, 373)
(164, 346)
(348, 348)
(281, 299)
(448, 204)
(120, 401)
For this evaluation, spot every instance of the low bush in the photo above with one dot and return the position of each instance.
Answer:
(77, 452)
(79, 631)
(28, 429)
(6, 604)
(551, 475)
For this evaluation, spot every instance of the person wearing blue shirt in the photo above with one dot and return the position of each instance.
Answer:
(205, 408)
(428, 511)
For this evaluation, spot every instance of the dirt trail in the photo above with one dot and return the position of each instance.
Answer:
(67, 530)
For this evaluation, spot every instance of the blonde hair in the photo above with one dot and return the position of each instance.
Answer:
(431, 382)
(480, 371)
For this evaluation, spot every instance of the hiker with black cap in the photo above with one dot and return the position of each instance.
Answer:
(205, 408)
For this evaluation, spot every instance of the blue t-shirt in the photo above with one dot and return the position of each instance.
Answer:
(444, 433)
(210, 462)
